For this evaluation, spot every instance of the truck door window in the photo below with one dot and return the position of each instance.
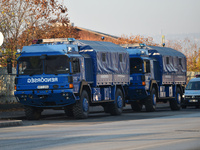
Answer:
(135, 65)
(30, 65)
(57, 64)
(75, 65)
(147, 66)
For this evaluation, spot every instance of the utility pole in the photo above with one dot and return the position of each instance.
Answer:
(163, 40)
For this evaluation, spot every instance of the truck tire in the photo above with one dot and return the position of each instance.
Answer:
(176, 104)
(116, 108)
(69, 111)
(136, 106)
(32, 113)
(150, 104)
(81, 108)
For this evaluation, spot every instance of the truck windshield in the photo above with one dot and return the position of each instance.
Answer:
(193, 85)
(57, 64)
(30, 65)
(136, 65)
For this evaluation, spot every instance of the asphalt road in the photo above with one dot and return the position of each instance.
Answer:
(160, 130)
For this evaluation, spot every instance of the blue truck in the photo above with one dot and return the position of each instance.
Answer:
(157, 74)
(71, 74)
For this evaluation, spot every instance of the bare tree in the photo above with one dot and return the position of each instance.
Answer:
(18, 16)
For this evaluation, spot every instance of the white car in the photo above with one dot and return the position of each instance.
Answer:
(192, 93)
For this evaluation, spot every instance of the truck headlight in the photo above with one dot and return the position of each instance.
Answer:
(65, 94)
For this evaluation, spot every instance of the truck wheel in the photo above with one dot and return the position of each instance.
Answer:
(176, 104)
(69, 111)
(136, 106)
(32, 113)
(81, 108)
(150, 104)
(116, 108)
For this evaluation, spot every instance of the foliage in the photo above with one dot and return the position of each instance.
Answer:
(18, 16)
(5, 55)
(191, 50)
(23, 21)
(132, 39)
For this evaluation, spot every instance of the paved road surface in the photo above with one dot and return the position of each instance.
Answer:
(164, 129)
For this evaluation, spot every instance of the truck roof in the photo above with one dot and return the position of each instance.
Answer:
(100, 46)
(82, 44)
(58, 48)
(165, 51)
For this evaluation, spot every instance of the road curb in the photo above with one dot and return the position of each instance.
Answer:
(9, 123)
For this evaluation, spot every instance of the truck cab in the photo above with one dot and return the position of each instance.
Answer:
(140, 73)
(47, 77)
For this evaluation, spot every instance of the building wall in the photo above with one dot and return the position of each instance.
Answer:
(87, 35)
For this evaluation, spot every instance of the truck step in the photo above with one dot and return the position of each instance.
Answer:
(103, 101)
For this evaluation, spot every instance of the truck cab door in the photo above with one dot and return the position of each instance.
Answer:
(152, 69)
(76, 73)
(148, 71)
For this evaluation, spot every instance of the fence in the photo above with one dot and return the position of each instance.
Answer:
(7, 85)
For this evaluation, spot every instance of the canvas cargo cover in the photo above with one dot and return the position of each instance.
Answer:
(107, 57)
(172, 64)
(170, 59)
(165, 51)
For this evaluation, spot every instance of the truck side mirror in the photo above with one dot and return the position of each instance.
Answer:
(9, 66)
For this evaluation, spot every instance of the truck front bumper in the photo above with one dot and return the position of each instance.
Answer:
(46, 98)
(139, 94)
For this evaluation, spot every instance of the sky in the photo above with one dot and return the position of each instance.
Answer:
(136, 17)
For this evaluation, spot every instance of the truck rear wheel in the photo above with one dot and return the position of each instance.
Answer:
(150, 104)
(136, 106)
(81, 108)
(32, 113)
(116, 108)
(176, 104)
